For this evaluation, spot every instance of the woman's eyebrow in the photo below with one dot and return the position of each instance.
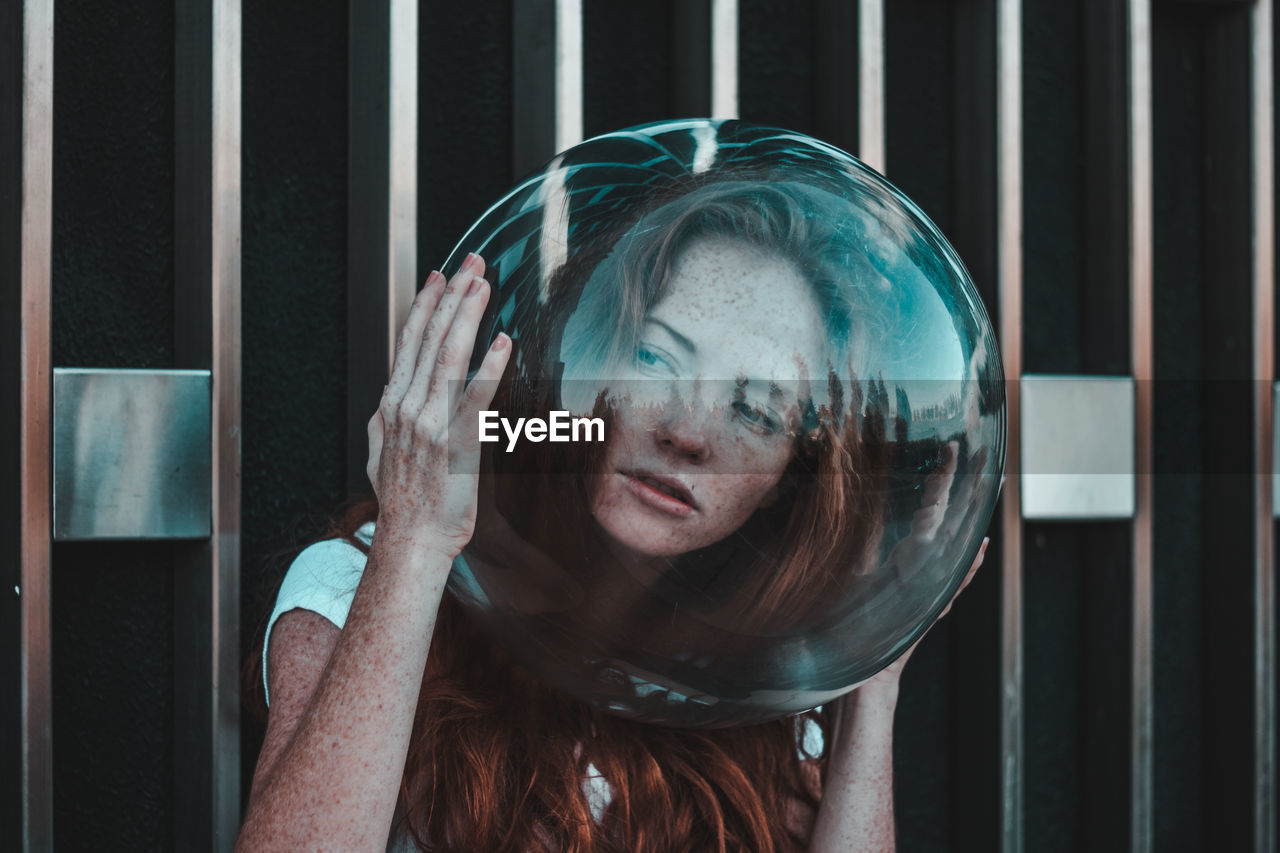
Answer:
(676, 336)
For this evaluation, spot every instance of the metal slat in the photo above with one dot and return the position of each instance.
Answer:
(724, 58)
(26, 193)
(207, 337)
(1264, 815)
(1009, 277)
(871, 83)
(1142, 344)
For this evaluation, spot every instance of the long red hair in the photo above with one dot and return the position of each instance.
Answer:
(497, 760)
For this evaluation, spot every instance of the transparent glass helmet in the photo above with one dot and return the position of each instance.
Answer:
(771, 423)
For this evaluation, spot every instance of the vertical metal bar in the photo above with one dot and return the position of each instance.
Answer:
(207, 336)
(724, 58)
(568, 94)
(1009, 230)
(382, 192)
(26, 203)
(871, 83)
(1264, 816)
(1142, 314)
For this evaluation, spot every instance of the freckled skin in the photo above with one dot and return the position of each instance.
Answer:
(747, 314)
(343, 702)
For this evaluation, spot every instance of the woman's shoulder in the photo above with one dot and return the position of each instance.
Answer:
(323, 579)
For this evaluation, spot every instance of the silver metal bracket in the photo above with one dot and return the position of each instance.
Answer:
(131, 454)
(1077, 447)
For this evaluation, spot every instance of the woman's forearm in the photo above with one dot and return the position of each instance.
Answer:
(335, 785)
(856, 812)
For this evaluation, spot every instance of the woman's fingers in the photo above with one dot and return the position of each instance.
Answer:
(410, 340)
(484, 384)
(973, 570)
(377, 428)
(455, 353)
(436, 331)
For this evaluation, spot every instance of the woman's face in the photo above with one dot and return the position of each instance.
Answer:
(704, 434)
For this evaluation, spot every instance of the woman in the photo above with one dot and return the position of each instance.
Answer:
(475, 753)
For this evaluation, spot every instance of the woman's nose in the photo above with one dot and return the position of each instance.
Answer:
(686, 433)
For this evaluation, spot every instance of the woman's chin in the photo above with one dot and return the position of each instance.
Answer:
(639, 540)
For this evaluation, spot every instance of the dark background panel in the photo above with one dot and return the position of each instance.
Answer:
(464, 120)
(294, 295)
(112, 712)
(112, 278)
(1053, 581)
(775, 63)
(626, 65)
(1178, 107)
(113, 185)
(1053, 183)
(919, 97)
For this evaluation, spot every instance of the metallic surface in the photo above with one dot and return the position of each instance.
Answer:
(130, 454)
(1142, 343)
(207, 337)
(26, 149)
(724, 58)
(1264, 807)
(1070, 472)
(568, 94)
(382, 187)
(1009, 278)
(871, 84)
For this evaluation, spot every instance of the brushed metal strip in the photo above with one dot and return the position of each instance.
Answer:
(568, 96)
(207, 309)
(1009, 276)
(871, 83)
(724, 59)
(402, 177)
(1264, 811)
(1142, 342)
(27, 426)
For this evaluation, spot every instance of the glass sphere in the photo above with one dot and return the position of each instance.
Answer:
(763, 423)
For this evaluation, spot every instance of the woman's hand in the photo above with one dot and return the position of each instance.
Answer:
(425, 482)
(892, 674)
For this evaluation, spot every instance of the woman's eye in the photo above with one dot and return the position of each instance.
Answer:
(649, 360)
(756, 418)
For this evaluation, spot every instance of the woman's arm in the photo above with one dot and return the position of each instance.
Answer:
(331, 767)
(856, 812)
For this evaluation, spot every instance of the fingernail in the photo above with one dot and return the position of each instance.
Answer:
(474, 287)
(471, 260)
(435, 277)
(501, 341)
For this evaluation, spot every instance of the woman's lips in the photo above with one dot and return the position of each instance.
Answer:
(661, 493)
